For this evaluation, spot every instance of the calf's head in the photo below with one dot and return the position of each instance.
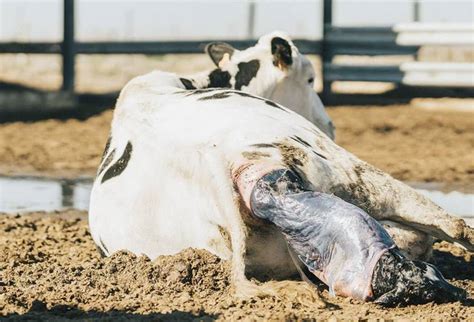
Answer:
(276, 70)
(399, 281)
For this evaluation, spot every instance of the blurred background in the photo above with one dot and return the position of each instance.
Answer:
(379, 38)
(397, 77)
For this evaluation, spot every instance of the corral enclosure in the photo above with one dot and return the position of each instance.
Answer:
(49, 267)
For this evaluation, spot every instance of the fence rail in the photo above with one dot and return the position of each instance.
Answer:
(142, 47)
(402, 39)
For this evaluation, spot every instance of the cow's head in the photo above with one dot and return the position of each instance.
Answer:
(274, 69)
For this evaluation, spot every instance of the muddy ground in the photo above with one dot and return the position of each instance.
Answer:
(50, 269)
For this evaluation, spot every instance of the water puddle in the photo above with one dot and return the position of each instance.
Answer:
(23, 194)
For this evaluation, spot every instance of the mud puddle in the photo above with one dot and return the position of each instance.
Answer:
(23, 194)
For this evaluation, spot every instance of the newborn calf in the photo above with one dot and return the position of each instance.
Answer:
(343, 246)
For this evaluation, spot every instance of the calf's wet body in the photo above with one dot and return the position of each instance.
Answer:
(340, 243)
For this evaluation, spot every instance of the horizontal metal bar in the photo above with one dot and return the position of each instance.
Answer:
(305, 46)
(357, 30)
(382, 38)
(370, 50)
(333, 72)
(148, 47)
(143, 47)
(31, 48)
(362, 38)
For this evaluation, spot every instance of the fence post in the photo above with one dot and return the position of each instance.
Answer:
(326, 56)
(416, 10)
(251, 20)
(68, 46)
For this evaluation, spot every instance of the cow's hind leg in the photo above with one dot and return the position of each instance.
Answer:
(385, 198)
(414, 244)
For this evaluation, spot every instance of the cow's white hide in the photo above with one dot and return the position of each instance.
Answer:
(177, 190)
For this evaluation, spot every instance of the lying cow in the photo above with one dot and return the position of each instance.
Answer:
(256, 70)
(251, 181)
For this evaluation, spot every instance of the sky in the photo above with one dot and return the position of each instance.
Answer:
(41, 20)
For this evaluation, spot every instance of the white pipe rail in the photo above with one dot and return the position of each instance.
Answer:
(433, 27)
(441, 34)
(438, 74)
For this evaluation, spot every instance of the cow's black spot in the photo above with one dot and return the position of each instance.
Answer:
(187, 83)
(219, 78)
(300, 140)
(268, 102)
(106, 149)
(119, 166)
(273, 104)
(263, 145)
(225, 94)
(106, 163)
(281, 51)
(215, 96)
(102, 248)
(320, 155)
(201, 91)
(247, 95)
(247, 71)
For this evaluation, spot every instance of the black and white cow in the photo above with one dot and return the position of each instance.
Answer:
(273, 69)
(256, 183)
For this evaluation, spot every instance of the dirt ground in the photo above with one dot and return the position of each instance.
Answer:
(410, 142)
(50, 269)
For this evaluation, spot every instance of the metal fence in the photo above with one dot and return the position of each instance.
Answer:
(369, 41)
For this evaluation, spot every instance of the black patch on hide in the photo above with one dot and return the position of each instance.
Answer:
(306, 144)
(247, 71)
(187, 83)
(300, 140)
(106, 163)
(200, 91)
(273, 104)
(263, 145)
(120, 165)
(215, 96)
(268, 102)
(102, 248)
(106, 149)
(219, 78)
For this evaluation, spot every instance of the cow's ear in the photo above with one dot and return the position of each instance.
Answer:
(218, 50)
(281, 51)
